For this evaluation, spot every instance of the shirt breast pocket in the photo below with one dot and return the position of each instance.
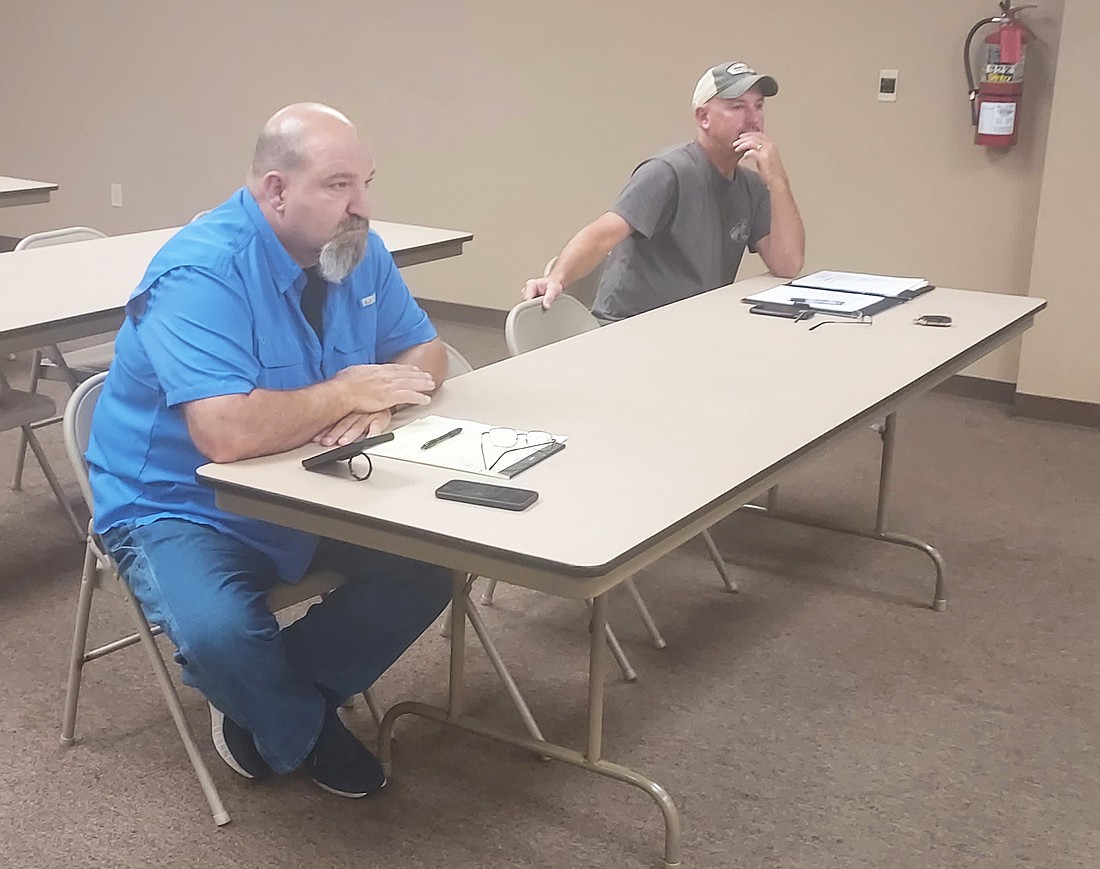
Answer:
(352, 350)
(354, 341)
(283, 365)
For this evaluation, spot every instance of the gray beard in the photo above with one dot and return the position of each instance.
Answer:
(342, 254)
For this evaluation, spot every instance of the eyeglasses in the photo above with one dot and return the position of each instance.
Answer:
(355, 474)
(508, 439)
(859, 320)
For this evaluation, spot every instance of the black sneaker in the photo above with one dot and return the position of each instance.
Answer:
(236, 747)
(341, 764)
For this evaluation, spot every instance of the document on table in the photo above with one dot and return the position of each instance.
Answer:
(830, 301)
(855, 282)
(460, 452)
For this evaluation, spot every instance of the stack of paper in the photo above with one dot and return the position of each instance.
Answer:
(831, 301)
(854, 282)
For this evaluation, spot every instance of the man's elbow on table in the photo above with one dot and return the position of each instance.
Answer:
(781, 263)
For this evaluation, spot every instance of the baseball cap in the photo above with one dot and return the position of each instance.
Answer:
(730, 80)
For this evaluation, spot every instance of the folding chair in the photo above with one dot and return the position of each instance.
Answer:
(25, 411)
(48, 363)
(101, 573)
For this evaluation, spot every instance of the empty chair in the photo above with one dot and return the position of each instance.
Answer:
(48, 363)
(101, 573)
(25, 411)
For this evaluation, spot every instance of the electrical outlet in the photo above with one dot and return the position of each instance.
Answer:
(116, 195)
(887, 85)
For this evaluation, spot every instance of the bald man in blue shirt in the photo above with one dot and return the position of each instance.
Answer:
(275, 320)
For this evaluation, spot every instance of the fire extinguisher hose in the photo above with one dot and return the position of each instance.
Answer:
(972, 89)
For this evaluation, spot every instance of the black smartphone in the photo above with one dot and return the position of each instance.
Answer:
(789, 312)
(347, 451)
(487, 494)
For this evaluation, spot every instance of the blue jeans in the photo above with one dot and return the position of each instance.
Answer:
(207, 591)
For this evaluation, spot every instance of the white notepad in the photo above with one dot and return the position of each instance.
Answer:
(463, 452)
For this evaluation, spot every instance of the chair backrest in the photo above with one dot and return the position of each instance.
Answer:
(582, 289)
(529, 325)
(59, 236)
(456, 363)
(77, 427)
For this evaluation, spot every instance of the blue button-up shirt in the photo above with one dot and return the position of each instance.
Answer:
(219, 313)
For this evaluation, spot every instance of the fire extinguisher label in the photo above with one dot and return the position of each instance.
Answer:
(998, 68)
(997, 119)
(1000, 72)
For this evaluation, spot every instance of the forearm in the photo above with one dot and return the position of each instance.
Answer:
(588, 247)
(429, 356)
(265, 421)
(787, 238)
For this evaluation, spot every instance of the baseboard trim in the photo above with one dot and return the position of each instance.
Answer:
(470, 315)
(1062, 410)
(981, 388)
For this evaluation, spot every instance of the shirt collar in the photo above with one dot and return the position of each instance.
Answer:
(284, 269)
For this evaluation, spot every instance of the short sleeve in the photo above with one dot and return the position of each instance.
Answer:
(196, 330)
(402, 323)
(648, 200)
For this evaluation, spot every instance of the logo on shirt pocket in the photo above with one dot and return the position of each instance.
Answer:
(739, 232)
(366, 301)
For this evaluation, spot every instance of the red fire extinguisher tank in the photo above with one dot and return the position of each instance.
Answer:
(1001, 85)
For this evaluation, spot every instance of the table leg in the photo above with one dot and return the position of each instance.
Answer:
(590, 760)
(887, 433)
(460, 590)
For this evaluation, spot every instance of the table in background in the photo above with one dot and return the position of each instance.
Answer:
(743, 401)
(67, 291)
(22, 191)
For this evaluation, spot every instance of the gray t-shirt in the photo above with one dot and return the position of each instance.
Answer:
(690, 229)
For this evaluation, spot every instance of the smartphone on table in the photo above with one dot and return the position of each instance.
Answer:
(487, 494)
(347, 451)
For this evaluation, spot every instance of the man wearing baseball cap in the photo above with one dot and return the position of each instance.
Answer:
(685, 217)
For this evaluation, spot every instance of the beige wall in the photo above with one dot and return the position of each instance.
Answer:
(1060, 358)
(520, 121)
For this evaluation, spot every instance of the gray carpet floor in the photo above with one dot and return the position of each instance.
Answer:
(823, 717)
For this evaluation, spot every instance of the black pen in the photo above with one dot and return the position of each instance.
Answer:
(434, 441)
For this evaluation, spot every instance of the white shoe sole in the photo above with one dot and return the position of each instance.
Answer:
(217, 734)
(351, 796)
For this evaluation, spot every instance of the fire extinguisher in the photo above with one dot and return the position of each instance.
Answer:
(995, 102)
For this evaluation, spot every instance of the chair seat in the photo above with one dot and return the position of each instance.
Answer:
(18, 408)
(314, 584)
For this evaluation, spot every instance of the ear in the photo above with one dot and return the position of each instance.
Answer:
(701, 117)
(274, 190)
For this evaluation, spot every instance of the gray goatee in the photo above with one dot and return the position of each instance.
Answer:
(345, 250)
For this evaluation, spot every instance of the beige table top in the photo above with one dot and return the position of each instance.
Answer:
(69, 291)
(675, 418)
(23, 191)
